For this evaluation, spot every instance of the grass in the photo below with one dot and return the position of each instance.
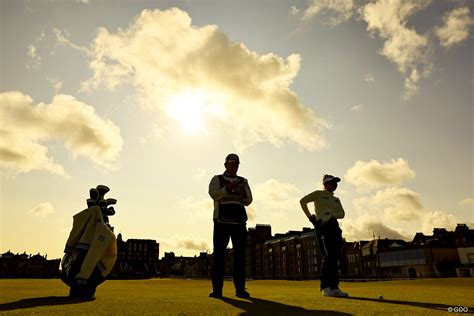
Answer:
(269, 297)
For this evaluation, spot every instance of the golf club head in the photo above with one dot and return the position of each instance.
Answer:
(110, 201)
(94, 194)
(102, 190)
(90, 202)
(110, 211)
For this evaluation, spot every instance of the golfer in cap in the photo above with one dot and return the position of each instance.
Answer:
(231, 194)
(328, 209)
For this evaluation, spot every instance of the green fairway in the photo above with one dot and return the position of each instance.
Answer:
(190, 297)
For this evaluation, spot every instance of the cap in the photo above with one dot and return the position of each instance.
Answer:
(232, 158)
(328, 178)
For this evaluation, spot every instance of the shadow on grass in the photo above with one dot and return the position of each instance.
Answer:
(256, 306)
(42, 301)
(435, 306)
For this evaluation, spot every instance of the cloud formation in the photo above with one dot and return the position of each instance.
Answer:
(197, 208)
(455, 28)
(42, 210)
(276, 202)
(398, 204)
(192, 243)
(374, 174)
(392, 210)
(466, 202)
(184, 245)
(432, 219)
(367, 227)
(190, 73)
(26, 126)
(403, 45)
(329, 12)
(201, 174)
(357, 108)
(33, 54)
(369, 78)
(399, 210)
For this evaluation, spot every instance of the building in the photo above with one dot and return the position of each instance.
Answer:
(294, 255)
(256, 236)
(195, 267)
(353, 264)
(136, 258)
(371, 258)
(28, 266)
(466, 256)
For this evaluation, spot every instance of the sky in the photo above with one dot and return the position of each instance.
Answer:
(148, 97)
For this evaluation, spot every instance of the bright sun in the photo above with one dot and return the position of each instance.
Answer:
(188, 107)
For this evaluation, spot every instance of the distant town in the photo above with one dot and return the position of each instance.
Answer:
(294, 255)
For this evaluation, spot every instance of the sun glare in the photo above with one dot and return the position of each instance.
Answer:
(188, 108)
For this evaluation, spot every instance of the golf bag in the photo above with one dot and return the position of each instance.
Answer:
(91, 249)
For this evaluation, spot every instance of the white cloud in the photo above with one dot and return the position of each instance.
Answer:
(294, 10)
(369, 78)
(403, 45)
(330, 12)
(367, 227)
(401, 207)
(201, 174)
(56, 84)
(25, 127)
(192, 243)
(401, 210)
(438, 219)
(399, 204)
(375, 174)
(35, 59)
(456, 26)
(357, 108)
(467, 202)
(188, 245)
(197, 208)
(42, 210)
(276, 202)
(63, 38)
(191, 73)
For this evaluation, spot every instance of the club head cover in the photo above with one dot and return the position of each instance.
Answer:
(102, 189)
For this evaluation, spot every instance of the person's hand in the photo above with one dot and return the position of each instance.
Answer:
(230, 187)
(312, 218)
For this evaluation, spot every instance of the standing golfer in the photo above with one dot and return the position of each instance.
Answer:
(328, 209)
(231, 194)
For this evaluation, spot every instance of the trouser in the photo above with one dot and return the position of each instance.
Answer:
(222, 233)
(329, 237)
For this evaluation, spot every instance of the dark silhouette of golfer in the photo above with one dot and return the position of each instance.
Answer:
(231, 194)
(328, 209)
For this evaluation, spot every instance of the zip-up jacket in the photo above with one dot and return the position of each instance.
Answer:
(326, 205)
(229, 207)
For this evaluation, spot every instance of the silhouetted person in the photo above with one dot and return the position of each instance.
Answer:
(231, 194)
(91, 249)
(328, 209)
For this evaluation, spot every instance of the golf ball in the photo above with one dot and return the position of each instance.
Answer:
(380, 297)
